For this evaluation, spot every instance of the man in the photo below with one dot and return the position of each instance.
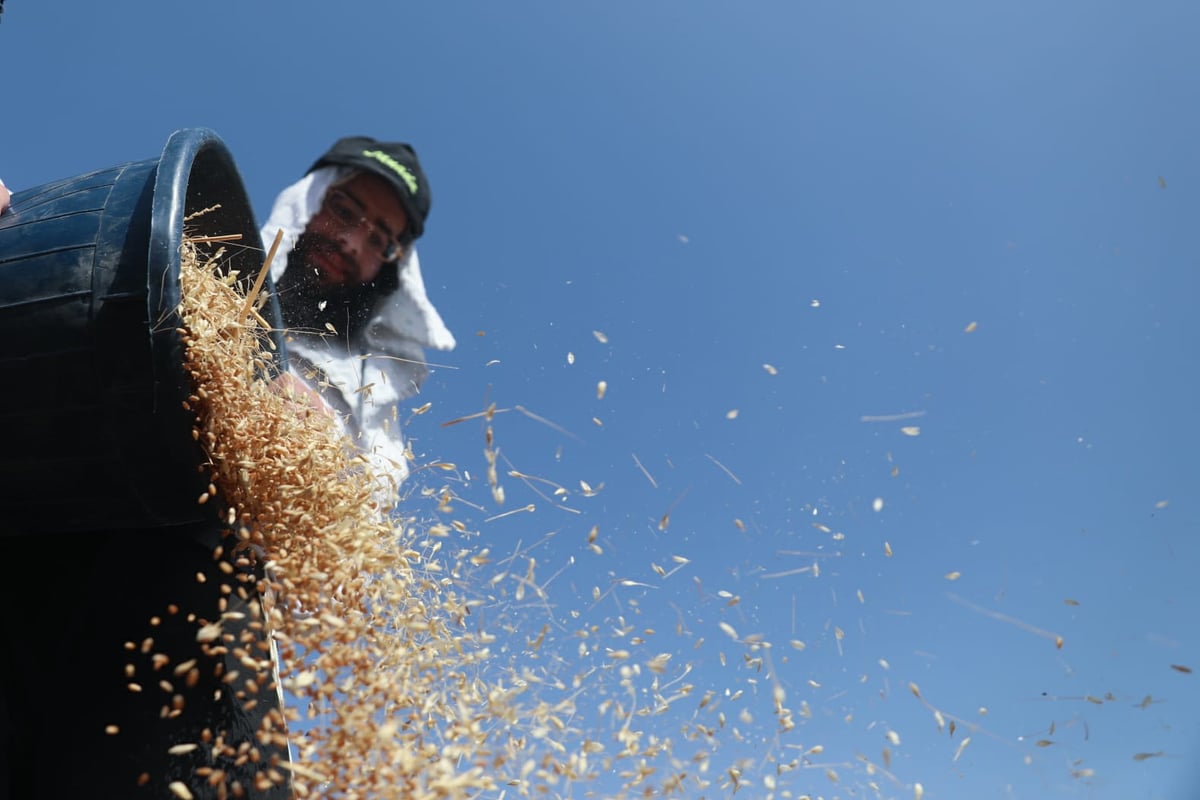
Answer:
(351, 292)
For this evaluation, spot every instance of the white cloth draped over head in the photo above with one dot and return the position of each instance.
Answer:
(386, 364)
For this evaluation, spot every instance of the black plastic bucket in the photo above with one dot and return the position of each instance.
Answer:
(95, 435)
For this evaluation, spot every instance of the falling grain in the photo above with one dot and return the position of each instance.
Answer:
(524, 509)
(373, 625)
(996, 615)
(644, 471)
(724, 469)
(891, 417)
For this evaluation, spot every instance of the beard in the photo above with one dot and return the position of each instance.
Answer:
(308, 305)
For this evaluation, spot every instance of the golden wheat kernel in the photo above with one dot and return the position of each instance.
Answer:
(180, 790)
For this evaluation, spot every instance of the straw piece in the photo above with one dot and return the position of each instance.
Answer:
(262, 276)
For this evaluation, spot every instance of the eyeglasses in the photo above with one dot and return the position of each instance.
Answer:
(348, 213)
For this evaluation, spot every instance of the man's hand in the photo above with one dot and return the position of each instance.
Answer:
(5, 194)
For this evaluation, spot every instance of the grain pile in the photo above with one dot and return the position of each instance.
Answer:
(389, 691)
(392, 688)
(369, 639)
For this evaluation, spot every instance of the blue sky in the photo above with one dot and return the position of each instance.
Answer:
(835, 190)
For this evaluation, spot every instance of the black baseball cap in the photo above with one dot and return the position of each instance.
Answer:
(397, 163)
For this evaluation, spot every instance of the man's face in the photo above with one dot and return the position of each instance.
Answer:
(355, 231)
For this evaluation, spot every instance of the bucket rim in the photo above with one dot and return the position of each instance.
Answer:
(169, 207)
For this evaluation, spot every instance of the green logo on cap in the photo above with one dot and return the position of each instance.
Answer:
(410, 180)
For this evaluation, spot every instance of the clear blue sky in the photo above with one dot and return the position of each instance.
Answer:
(838, 190)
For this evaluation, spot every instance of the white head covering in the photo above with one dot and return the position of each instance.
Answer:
(406, 314)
